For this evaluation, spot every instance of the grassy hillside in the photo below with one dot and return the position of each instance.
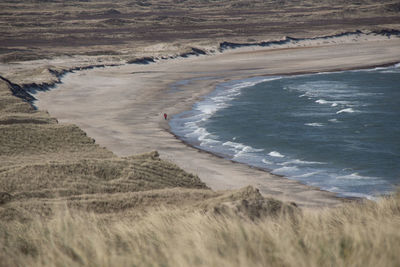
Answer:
(354, 235)
(41, 159)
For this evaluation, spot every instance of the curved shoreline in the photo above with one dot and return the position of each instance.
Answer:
(122, 107)
(196, 143)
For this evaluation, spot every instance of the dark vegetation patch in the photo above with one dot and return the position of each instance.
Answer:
(76, 25)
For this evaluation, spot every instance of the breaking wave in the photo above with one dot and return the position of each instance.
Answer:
(265, 122)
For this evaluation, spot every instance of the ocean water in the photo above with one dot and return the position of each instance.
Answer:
(338, 131)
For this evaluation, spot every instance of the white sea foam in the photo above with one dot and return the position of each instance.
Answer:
(334, 120)
(209, 108)
(355, 176)
(209, 142)
(378, 68)
(198, 133)
(221, 100)
(241, 149)
(321, 89)
(245, 83)
(337, 91)
(252, 149)
(286, 170)
(314, 124)
(390, 71)
(322, 101)
(267, 162)
(332, 103)
(300, 162)
(236, 146)
(306, 175)
(276, 154)
(346, 110)
(346, 103)
(191, 124)
(203, 136)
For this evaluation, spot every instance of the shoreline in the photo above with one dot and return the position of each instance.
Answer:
(125, 111)
(196, 144)
(342, 198)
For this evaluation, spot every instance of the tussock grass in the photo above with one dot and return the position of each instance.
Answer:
(68, 178)
(362, 234)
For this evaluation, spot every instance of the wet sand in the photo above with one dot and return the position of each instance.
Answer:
(122, 107)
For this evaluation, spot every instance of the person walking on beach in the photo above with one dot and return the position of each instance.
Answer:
(165, 116)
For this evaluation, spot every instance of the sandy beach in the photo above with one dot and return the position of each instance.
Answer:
(122, 107)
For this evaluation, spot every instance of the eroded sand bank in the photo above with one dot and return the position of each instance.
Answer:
(121, 107)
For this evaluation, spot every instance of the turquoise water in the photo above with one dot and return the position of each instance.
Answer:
(337, 131)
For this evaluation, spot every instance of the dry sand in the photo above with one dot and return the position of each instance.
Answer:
(121, 107)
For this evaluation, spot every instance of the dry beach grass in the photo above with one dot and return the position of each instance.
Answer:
(354, 235)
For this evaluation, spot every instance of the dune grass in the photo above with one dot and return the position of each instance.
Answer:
(353, 235)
